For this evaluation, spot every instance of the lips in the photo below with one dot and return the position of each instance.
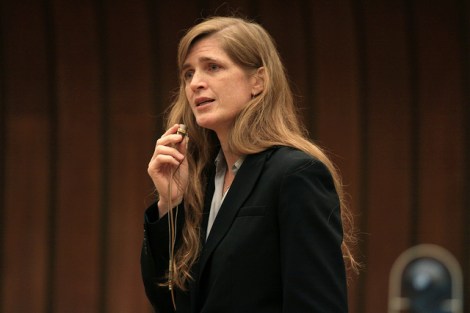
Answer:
(202, 101)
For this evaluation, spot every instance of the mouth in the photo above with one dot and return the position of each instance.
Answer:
(203, 101)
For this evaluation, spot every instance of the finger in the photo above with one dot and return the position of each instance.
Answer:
(162, 166)
(169, 140)
(171, 137)
(163, 160)
(172, 130)
(169, 151)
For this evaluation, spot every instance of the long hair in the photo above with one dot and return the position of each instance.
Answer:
(272, 113)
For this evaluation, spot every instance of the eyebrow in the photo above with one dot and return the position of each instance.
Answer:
(201, 60)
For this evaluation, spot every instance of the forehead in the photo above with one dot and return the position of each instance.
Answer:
(209, 48)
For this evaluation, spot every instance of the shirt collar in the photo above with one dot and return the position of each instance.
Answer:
(220, 163)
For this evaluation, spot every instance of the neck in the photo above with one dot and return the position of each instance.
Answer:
(230, 157)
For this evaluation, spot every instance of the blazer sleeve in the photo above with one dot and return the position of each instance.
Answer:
(312, 265)
(155, 257)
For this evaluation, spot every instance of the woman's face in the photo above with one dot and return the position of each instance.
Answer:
(216, 88)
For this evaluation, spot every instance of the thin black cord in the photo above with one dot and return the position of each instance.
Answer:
(172, 226)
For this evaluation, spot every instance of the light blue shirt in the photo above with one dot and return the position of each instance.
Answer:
(219, 193)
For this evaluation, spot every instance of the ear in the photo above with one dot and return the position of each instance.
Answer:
(258, 82)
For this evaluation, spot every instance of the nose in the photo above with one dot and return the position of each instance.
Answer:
(197, 81)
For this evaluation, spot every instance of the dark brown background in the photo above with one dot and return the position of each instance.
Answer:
(384, 86)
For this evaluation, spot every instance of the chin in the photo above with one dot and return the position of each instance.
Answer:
(211, 123)
(204, 123)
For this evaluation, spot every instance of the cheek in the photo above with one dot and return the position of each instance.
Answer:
(241, 90)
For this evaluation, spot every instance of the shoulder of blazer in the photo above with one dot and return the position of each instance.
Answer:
(289, 155)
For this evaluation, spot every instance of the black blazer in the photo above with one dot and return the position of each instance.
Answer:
(275, 245)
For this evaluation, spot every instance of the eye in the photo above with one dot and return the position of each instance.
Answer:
(214, 67)
(187, 75)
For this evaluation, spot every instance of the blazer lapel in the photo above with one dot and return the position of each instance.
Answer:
(241, 188)
(207, 203)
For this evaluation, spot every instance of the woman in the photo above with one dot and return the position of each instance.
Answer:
(250, 212)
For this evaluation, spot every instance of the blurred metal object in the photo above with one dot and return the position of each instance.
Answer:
(182, 130)
(426, 279)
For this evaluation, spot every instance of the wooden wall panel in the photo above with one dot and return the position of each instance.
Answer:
(26, 187)
(77, 218)
(442, 129)
(165, 31)
(464, 18)
(244, 8)
(335, 104)
(288, 23)
(130, 147)
(440, 125)
(388, 145)
(382, 85)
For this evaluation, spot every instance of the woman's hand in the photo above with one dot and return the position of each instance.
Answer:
(169, 166)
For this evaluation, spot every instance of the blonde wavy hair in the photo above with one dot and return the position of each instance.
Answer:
(272, 113)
